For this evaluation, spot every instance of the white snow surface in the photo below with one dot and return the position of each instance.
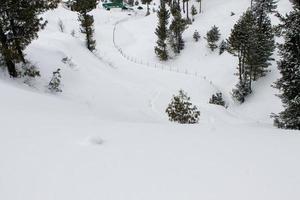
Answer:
(106, 136)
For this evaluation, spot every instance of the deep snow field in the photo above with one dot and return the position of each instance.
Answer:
(106, 136)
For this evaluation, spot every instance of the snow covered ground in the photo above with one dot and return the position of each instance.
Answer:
(107, 136)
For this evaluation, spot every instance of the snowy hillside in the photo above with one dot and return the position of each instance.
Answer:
(107, 136)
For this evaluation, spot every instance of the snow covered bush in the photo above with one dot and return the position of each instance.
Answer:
(217, 99)
(241, 91)
(196, 36)
(181, 110)
(54, 84)
(222, 47)
(29, 70)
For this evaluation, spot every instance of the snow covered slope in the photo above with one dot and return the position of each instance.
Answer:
(107, 136)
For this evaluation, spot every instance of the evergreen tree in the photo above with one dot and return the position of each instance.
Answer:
(193, 11)
(162, 31)
(181, 110)
(243, 44)
(217, 99)
(86, 20)
(196, 36)
(289, 67)
(20, 22)
(212, 37)
(265, 35)
(177, 27)
(222, 47)
(54, 84)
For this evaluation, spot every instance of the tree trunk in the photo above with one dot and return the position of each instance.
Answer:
(187, 9)
(17, 41)
(183, 6)
(11, 68)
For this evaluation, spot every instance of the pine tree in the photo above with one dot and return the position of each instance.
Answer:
(289, 67)
(243, 44)
(181, 110)
(55, 82)
(266, 42)
(212, 37)
(222, 47)
(196, 36)
(162, 31)
(217, 99)
(20, 22)
(193, 11)
(86, 20)
(177, 27)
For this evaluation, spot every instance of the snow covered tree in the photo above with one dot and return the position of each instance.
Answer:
(193, 11)
(20, 22)
(289, 67)
(83, 7)
(217, 99)
(212, 37)
(177, 27)
(196, 36)
(222, 47)
(181, 110)
(54, 84)
(265, 35)
(243, 44)
(148, 9)
(162, 31)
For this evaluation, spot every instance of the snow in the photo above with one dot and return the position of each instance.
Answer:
(106, 136)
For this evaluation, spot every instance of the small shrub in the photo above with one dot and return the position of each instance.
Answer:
(222, 47)
(73, 33)
(241, 91)
(181, 110)
(54, 84)
(217, 99)
(196, 36)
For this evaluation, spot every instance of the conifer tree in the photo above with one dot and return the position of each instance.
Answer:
(212, 37)
(243, 44)
(265, 35)
(177, 27)
(86, 20)
(181, 110)
(162, 31)
(196, 36)
(20, 22)
(193, 11)
(289, 67)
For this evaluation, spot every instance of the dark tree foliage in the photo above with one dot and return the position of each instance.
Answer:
(86, 20)
(20, 22)
(243, 44)
(181, 110)
(162, 32)
(213, 36)
(289, 67)
(55, 82)
(222, 47)
(177, 27)
(196, 36)
(217, 99)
